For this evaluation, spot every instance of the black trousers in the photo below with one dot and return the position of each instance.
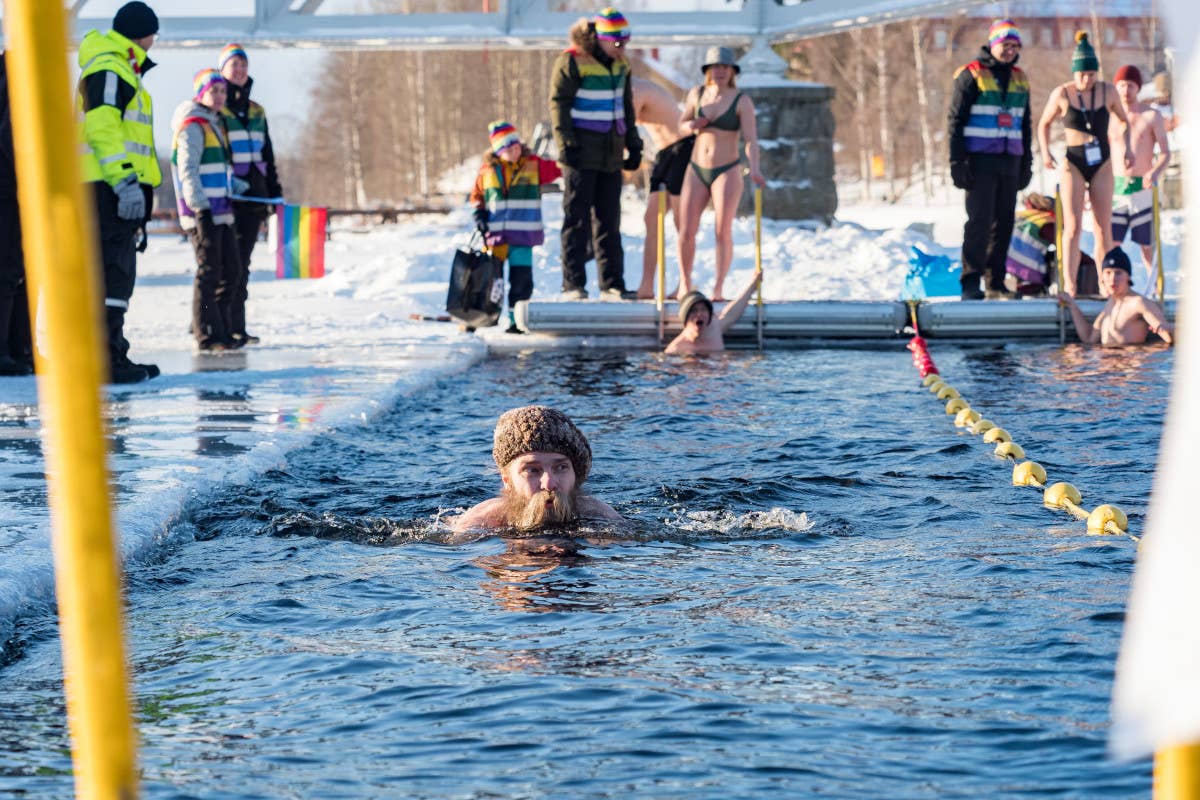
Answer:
(118, 254)
(247, 222)
(217, 267)
(520, 284)
(991, 208)
(592, 221)
(15, 337)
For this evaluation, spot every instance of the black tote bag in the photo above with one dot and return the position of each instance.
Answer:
(476, 287)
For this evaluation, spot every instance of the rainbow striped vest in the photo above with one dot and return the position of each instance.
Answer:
(1027, 252)
(984, 132)
(600, 101)
(515, 211)
(214, 171)
(246, 142)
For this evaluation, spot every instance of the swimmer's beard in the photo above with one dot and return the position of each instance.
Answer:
(534, 514)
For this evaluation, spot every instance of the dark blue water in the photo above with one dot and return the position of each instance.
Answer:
(829, 591)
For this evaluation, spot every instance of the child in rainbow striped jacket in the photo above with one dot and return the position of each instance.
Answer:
(507, 197)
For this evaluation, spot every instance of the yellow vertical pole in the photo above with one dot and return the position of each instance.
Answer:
(1177, 773)
(661, 255)
(59, 237)
(1160, 283)
(758, 258)
(1058, 252)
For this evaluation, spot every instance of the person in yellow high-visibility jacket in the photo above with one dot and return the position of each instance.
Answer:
(119, 161)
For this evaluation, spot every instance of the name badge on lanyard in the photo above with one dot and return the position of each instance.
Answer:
(1091, 154)
(1005, 119)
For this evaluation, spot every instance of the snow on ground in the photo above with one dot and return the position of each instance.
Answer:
(335, 350)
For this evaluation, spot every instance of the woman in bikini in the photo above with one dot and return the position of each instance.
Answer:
(1084, 105)
(716, 112)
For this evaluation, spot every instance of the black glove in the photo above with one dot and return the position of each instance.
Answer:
(1026, 174)
(571, 156)
(481, 221)
(633, 160)
(206, 229)
(960, 173)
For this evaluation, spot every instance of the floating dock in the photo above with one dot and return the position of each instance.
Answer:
(805, 320)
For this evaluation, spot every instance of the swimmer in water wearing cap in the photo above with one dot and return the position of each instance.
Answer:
(1127, 317)
(543, 460)
(701, 333)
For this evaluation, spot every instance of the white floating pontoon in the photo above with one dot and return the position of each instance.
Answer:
(800, 321)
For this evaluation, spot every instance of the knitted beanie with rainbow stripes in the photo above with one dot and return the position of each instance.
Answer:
(229, 51)
(1003, 30)
(203, 80)
(611, 24)
(501, 134)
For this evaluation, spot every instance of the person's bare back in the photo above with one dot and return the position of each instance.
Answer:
(656, 111)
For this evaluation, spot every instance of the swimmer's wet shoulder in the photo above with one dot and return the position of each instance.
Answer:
(544, 460)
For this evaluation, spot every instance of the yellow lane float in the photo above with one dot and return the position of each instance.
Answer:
(966, 418)
(1029, 473)
(996, 435)
(1010, 450)
(955, 405)
(983, 426)
(947, 392)
(1107, 519)
(1065, 496)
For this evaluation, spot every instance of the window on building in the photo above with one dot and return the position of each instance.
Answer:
(939, 38)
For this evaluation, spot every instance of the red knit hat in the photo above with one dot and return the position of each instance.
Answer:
(1128, 72)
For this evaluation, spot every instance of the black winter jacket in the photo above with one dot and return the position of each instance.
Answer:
(963, 96)
(8, 169)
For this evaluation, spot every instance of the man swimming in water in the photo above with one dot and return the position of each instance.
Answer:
(701, 333)
(1127, 317)
(543, 460)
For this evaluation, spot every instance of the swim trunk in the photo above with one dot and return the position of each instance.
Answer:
(1133, 211)
(670, 165)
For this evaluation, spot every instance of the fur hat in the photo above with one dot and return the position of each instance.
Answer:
(688, 301)
(540, 429)
(135, 21)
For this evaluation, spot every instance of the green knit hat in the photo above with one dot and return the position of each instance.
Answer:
(1084, 58)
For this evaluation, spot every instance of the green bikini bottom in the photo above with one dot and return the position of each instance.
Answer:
(708, 175)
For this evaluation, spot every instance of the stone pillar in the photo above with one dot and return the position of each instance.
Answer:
(795, 139)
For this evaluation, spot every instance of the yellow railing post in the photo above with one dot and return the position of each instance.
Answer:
(1177, 773)
(59, 234)
(1160, 284)
(663, 202)
(1061, 262)
(758, 260)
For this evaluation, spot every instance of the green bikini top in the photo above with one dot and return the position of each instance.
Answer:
(728, 121)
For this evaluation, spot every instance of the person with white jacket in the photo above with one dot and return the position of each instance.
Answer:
(204, 183)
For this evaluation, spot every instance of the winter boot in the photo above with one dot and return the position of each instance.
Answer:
(512, 324)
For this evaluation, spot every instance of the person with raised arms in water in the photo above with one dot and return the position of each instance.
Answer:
(701, 333)
(1127, 317)
(657, 112)
(543, 461)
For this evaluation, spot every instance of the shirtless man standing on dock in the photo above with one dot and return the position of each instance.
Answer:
(657, 111)
(1133, 195)
(702, 334)
(1127, 317)
(543, 460)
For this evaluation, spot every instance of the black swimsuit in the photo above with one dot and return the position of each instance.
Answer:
(727, 121)
(1092, 121)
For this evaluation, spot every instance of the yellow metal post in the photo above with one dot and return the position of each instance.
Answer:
(758, 258)
(1160, 281)
(661, 255)
(58, 230)
(1058, 251)
(1177, 773)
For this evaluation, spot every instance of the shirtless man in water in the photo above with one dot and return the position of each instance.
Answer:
(543, 460)
(657, 112)
(1128, 317)
(1133, 198)
(701, 333)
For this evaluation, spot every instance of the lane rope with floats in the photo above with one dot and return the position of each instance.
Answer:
(1103, 519)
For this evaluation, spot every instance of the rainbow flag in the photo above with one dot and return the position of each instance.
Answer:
(300, 242)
